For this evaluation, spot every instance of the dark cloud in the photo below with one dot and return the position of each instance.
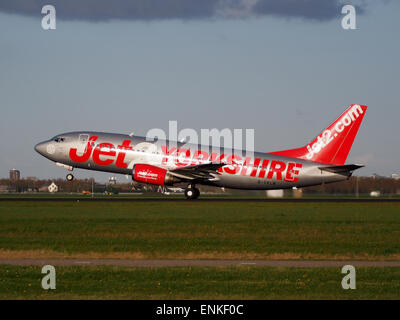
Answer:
(318, 10)
(315, 10)
(103, 10)
(100, 10)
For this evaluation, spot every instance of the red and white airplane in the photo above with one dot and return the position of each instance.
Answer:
(166, 163)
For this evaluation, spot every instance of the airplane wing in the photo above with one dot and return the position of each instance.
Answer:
(204, 171)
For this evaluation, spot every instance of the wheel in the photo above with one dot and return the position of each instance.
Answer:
(70, 177)
(197, 193)
(192, 193)
(189, 193)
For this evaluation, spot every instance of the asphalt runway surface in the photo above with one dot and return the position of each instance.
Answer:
(197, 263)
(231, 199)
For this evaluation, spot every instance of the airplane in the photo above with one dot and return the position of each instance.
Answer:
(171, 163)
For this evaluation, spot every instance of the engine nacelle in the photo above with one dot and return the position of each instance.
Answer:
(153, 175)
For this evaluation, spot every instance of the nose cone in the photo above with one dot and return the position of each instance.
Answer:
(41, 148)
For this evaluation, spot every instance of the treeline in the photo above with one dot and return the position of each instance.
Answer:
(364, 185)
(35, 185)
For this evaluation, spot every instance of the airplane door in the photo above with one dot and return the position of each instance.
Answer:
(82, 143)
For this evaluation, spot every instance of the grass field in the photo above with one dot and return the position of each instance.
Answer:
(199, 230)
(202, 229)
(198, 283)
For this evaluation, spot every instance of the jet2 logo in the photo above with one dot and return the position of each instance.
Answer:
(334, 131)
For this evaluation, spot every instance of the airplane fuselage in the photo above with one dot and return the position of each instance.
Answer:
(118, 153)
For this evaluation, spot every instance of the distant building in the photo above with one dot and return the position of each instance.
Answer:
(53, 188)
(377, 176)
(395, 176)
(31, 178)
(4, 189)
(275, 193)
(297, 193)
(15, 175)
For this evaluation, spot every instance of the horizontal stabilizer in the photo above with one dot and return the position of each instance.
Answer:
(345, 169)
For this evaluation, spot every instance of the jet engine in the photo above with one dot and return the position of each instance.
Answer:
(154, 175)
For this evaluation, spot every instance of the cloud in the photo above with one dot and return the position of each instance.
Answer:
(315, 10)
(147, 10)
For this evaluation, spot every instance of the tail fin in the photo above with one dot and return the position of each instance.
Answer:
(332, 145)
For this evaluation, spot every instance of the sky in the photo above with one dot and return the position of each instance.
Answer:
(286, 69)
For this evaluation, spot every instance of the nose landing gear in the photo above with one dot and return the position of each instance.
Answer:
(191, 192)
(69, 177)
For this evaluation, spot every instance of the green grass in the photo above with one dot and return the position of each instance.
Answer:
(204, 229)
(104, 282)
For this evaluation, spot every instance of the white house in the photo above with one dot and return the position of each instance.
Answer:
(53, 188)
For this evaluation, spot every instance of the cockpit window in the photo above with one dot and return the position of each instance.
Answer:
(59, 139)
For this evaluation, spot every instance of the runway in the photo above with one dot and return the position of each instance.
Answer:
(197, 263)
(205, 199)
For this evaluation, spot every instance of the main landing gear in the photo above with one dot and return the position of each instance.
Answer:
(191, 192)
(69, 177)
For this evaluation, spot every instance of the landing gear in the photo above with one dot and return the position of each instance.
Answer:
(70, 177)
(192, 193)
